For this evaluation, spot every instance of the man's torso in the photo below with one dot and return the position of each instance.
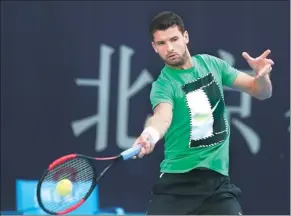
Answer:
(199, 132)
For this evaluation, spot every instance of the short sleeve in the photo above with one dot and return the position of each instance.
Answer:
(228, 73)
(161, 92)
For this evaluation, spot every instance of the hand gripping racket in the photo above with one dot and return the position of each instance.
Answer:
(80, 180)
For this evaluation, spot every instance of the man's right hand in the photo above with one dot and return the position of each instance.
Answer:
(145, 141)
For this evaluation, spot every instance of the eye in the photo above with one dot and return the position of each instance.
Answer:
(174, 39)
(160, 43)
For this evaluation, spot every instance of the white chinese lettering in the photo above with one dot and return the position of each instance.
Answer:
(80, 126)
(125, 92)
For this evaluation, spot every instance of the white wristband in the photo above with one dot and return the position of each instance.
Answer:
(154, 134)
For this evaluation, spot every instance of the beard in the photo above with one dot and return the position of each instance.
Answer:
(178, 61)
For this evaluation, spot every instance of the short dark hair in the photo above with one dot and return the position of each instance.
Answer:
(165, 20)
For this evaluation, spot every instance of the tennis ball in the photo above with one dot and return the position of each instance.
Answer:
(64, 187)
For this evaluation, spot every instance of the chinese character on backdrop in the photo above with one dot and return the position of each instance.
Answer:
(125, 92)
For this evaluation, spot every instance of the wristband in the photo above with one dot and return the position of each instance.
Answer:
(153, 133)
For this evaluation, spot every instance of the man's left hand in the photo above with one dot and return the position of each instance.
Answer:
(261, 65)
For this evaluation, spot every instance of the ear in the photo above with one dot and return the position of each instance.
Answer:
(186, 37)
(154, 46)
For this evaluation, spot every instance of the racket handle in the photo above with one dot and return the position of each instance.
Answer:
(129, 153)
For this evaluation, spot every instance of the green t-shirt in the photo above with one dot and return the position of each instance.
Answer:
(199, 133)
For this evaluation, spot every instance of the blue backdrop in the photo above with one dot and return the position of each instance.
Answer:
(76, 77)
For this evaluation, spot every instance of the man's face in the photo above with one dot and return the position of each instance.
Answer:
(171, 45)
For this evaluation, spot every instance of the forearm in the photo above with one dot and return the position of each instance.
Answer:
(262, 87)
(159, 123)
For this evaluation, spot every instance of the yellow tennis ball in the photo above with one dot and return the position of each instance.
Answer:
(64, 187)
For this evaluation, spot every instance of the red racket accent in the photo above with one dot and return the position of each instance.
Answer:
(61, 160)
(72, 208)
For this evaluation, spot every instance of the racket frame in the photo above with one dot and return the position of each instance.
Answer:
(125, 155)
(55, 164)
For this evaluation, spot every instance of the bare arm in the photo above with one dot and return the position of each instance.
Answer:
(155, 128)
(161, 119)
(258, 87)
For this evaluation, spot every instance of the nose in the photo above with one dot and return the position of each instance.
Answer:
(170, 47)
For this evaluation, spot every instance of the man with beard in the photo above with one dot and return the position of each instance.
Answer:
(190, 113)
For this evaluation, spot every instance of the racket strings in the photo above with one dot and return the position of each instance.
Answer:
(80, 173)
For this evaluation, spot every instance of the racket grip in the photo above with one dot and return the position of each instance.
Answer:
(129, 153)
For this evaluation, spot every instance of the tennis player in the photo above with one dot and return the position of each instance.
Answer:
(190, 114)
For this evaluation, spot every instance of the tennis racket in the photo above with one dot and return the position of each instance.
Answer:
(79, 173)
